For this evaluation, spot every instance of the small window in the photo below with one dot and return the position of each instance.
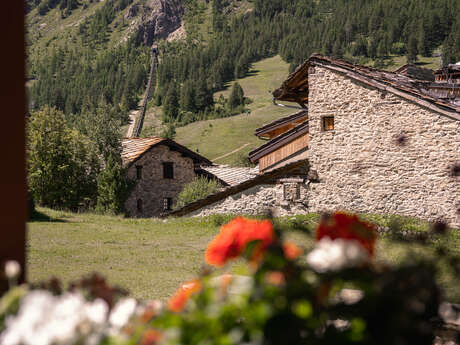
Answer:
(328, 123)
(167, 204)
(168, 170)
(139, 205)
(139, 172)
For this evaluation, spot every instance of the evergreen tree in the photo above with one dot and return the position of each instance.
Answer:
(412, 50)
(236, 96)
(112, 187)
(171, 104)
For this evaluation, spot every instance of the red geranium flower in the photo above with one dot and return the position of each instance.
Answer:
(178, 301)
(151, 337)
(291, 251)
(233, 238)
(347, 226)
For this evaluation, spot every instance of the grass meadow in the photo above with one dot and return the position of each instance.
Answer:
(151, 257)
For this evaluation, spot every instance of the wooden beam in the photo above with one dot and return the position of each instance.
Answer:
(12, 140)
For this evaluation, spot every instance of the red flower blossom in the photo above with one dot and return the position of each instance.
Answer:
(275, 278)
(178, 301)
(347, 226)
(151, 337)
(291, 251)
(233, 238)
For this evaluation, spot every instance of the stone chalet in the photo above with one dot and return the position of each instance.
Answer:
(364, 140)
(161, 168)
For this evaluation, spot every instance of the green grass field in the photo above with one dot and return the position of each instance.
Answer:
(151, 258)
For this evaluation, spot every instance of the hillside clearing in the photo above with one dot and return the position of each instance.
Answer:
(150, 257)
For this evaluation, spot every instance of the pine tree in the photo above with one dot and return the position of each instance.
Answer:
(171, 104)
(412, 49)
(112, 187)
(236, 96)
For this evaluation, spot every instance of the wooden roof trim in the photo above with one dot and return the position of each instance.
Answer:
(197, 158)
(280, 122)
(278, 142)
(295, 168)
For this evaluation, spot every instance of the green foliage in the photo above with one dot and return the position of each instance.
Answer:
(171, 104)
(169, 132)
(236, 96)
(112, 187)
(62, 168)
(198, 189)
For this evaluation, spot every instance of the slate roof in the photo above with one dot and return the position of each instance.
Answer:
(295, 87)
(281, 122)
(278, 141)
(134, 148)
(231, 176)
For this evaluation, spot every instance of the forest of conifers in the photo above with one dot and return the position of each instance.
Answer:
(80, 78)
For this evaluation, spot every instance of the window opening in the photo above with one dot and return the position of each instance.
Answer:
(168, 170)
(328, 123)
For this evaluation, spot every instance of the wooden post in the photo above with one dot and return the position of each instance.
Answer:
(12, 139)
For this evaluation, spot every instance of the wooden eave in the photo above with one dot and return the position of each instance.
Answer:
(278, 142)
(292, 169)
(295, 119)
(400, 85)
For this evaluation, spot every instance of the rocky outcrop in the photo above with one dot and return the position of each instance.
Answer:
(156, 19)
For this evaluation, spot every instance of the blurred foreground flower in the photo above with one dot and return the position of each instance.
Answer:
(334, 255)
(12, 269)
(291, 250)
(233, 238)
(182, 295)
(348, 227)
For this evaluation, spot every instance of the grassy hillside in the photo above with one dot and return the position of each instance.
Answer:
(214, 138)
(151, 257)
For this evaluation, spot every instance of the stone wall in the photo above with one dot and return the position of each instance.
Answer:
(385, 154)
(152, 189)
(287, 197)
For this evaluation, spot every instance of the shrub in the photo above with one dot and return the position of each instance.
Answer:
(198, 189)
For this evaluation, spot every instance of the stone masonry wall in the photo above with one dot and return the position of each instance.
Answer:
(281, 199)
(153, 188)
(385, 154)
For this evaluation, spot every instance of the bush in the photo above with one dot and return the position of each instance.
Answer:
(198, 189)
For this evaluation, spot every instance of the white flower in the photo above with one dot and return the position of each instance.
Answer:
(12, 269)
(44, 319)
(122, 312)
(334, 255)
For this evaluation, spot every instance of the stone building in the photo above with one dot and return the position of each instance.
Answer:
(160, 168)
(375, 142)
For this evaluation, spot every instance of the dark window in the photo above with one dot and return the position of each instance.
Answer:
(328, 123)
(139, 205)
(167, 204)
(139, 172)
(168, 170)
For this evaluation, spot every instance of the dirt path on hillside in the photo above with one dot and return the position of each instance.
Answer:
(230, 153)
(132, 123)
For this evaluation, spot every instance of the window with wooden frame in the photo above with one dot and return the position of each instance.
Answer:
(139, 172)
(168, 170)
(167, 204)
(139, 205)
(327, 123)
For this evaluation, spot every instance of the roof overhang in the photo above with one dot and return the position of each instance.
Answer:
(296, 118)
(278, 142)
